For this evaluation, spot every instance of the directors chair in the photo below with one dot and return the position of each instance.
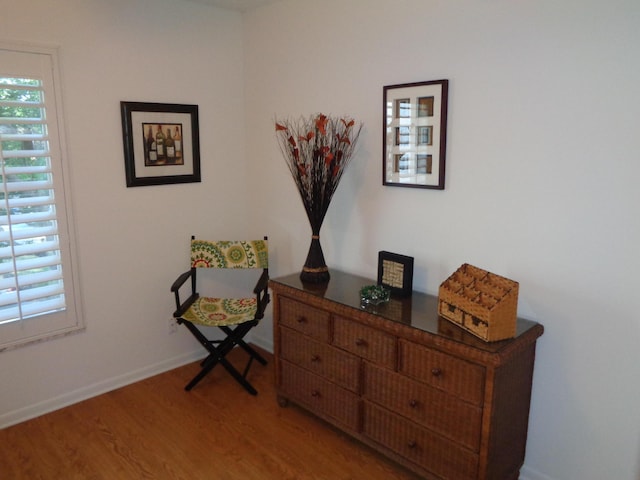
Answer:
(234, 316)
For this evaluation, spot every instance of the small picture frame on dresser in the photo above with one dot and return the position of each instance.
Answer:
(395, 272)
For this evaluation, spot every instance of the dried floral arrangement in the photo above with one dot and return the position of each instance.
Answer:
(317, 149)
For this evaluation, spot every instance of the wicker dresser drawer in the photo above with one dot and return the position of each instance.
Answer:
(443, 413)
(335, 365)
(305, 319)
(366, 342)
(320, 395)
(427, 394)
(453, 375)
(418, 445)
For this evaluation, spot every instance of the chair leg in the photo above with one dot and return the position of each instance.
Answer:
(213, 360)
(209, 362)
(199, 377)
(218, 354)
(242, 344)
(238, 376)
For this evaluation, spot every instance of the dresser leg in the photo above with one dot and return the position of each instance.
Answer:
(282, 401)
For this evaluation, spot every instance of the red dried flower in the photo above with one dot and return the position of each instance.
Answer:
(348, 125)
(321, 124)
(317, 162)
(328, 158)
(307, 137)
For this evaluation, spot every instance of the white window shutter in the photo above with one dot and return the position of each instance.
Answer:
(38, 294)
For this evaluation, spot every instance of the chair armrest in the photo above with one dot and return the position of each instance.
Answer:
(262, 293)
(175, 288)
(263, 282)
(185, 306)
(180, 281)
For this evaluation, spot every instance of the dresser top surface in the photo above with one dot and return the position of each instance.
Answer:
(418, 311)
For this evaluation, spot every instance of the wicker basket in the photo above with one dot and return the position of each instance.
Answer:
(481, 302)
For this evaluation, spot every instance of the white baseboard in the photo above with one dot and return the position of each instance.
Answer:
(69, 398)
(527, 473)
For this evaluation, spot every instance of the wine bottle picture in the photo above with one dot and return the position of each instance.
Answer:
(154, 150)
(177, 141)
(169, 147)
(151, 153)
(162, 155)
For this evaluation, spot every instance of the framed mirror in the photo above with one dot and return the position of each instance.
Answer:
(415, 134)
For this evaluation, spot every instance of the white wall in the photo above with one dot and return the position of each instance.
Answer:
(542, 172)
(133, 241)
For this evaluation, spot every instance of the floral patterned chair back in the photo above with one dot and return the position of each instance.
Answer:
(229, 254)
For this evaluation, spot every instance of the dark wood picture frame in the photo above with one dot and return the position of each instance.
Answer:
(146, 160)
(395, 272)
(415, 127)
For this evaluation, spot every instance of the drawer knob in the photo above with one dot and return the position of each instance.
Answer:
(412, 444)
(301, 319)
(436, 372)
(361, 342)
(315, 394)
(413, 403)
(315, 358)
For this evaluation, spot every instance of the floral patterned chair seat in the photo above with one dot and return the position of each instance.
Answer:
(214, 312)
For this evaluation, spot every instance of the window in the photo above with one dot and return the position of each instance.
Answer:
(38, 293)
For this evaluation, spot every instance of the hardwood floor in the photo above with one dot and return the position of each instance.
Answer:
(155, 430)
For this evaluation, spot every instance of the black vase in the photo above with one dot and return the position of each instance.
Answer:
(315, 269)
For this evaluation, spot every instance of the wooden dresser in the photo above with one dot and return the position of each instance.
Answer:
(400, 379)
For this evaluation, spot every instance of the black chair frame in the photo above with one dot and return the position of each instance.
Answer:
(219, 349)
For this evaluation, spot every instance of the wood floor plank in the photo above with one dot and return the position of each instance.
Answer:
(153, 429)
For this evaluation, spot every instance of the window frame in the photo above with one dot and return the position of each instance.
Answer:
(27, 59)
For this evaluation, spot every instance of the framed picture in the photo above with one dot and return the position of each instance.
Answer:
(161, 143)
(395, 272)
(414, 141)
